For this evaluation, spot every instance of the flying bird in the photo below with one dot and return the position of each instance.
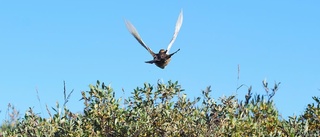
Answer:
(162, 58)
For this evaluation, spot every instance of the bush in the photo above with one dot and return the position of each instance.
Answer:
(165, 110)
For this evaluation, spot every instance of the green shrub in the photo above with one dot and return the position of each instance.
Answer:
(165, 110)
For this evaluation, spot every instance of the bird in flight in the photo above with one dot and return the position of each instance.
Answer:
(162, 58)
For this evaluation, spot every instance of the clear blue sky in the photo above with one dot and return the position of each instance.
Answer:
(44, 43)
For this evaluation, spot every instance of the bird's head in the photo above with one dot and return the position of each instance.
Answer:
(162, 51)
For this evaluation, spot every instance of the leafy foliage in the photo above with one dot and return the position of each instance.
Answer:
(165, 110)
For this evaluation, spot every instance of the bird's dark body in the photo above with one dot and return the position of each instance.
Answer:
(161, 59)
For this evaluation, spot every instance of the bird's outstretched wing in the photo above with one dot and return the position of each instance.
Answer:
(136, 35)
(173, 53)
(176, 31)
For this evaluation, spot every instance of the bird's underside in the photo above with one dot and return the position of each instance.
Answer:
(163, 58)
